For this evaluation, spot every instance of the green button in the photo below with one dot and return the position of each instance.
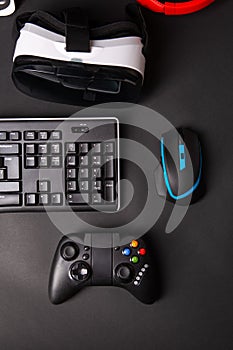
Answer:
(135, 259)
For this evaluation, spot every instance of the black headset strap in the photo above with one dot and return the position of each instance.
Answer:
(65, 27)
(77, 30)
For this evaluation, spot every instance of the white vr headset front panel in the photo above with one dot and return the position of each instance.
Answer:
(121, 52)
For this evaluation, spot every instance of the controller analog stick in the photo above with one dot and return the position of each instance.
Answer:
(80, 271)
(69, 251)
(124, 273)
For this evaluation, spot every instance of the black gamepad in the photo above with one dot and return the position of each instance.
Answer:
(101, 261)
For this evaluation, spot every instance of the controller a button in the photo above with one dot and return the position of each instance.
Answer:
(142, 251)
(69, 251)
(126, 252)
(124, 273)
(134, 244)
(80, 271)
(135, 259)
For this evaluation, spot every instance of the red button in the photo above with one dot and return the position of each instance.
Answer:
(142, 251)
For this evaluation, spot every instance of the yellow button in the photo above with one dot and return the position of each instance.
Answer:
(134, 244)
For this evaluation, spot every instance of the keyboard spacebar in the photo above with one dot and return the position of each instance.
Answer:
(7, 200)
(9, 186)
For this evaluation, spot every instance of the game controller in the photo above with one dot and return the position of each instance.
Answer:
(100, 261)
(7, 7)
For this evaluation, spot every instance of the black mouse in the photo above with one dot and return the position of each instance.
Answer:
(179, 177)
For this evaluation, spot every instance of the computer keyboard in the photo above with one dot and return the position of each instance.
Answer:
(59, 164)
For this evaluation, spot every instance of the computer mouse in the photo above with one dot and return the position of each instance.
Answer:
(179, 177)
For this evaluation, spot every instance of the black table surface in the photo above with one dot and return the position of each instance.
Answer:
(189, 81)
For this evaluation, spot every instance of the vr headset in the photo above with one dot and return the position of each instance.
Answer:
(66, 60)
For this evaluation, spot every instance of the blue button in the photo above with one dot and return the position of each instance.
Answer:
(126, 252)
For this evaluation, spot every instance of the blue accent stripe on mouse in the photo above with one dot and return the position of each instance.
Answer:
(181, 167)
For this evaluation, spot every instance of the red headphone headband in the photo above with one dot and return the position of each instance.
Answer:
(171, 8)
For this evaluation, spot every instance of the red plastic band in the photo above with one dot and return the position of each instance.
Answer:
(171, 8)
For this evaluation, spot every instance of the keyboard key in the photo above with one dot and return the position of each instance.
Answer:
(56, 162)
(10, 148)
(10, 186)
(96, 173)
(7, 200)
(83, 161)
(71, 174)
(96, 147)
(83, 186)
(43, 162)
(30, 199)
(2, 174)
(43, 135)
(70, 161)
(83, 148)
(78, 198)
(13, 167)
(71, 186)
(97, 186)
(109, 167)
(43, 199)
(43, 148)
(96, 161)
(96, 198)
(109, 147)
(70, 147)
(83, 173)
(56, 199)
(55, 148)
(30, 162)
(43, 186)
(56, 135)
(3, 136)
(30, 135)
(15, 136)
(30, 148)
(109, 191)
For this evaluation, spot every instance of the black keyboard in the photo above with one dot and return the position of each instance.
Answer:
(59, 164)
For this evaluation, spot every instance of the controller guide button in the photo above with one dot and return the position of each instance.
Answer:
(69, 251)
(126, 251)
(134, 259)
(134, 244)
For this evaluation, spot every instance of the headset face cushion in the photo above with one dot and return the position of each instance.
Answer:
(75, 83)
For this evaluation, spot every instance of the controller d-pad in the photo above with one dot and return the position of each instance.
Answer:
(69, 251)
(124, 273)
(80, 271)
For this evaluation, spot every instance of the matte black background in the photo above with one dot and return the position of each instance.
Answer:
(189, 80)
